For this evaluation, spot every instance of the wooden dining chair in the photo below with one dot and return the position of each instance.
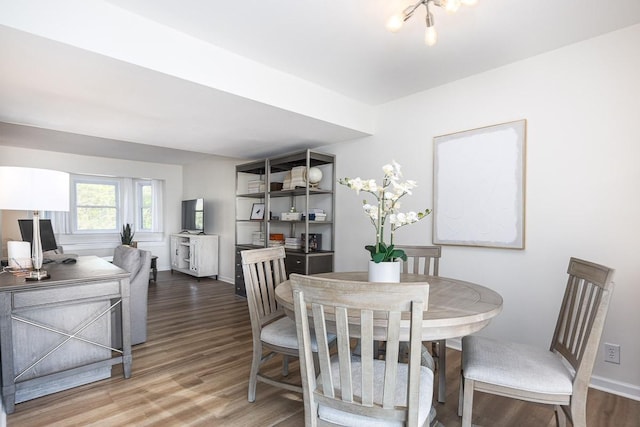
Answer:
(426, 260)
(263, 270)
(272, 330)
(362, 390)
(559, 376)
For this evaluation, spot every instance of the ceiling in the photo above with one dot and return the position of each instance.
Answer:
(166, 81)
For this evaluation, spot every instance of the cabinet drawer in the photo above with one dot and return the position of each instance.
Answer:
(239, 279)
(320, 263)
(309, 264)
(64, 294)
(295, 264)
(239, 283)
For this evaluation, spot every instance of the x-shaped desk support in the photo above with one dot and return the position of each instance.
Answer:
(69, 336)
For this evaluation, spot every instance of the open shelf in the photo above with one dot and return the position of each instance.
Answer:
(267, 174)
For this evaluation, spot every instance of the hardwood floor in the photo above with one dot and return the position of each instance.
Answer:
(193, 371)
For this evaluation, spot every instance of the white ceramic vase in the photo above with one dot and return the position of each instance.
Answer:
(388, 272)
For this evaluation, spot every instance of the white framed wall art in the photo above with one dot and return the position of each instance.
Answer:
(479, 187)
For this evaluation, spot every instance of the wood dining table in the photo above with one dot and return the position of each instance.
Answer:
(456, 307)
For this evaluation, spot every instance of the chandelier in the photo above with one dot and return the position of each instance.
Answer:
(430, 36)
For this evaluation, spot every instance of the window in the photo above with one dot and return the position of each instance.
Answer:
(144, 202)
(101, 205)
(96, 205)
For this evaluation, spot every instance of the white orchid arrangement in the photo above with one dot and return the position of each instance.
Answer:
(387, 206)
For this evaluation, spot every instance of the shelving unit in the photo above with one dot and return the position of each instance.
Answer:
(312, 257)
(195, 254)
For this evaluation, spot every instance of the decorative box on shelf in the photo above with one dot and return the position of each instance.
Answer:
(291, 216)
(276, 239)
(276, 236)
(315, 241)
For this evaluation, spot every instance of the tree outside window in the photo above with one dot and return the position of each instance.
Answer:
(96, 206)
(145, 206)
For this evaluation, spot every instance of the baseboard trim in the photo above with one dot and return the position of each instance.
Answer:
(615, 387)
(607, 385)
(230, 280)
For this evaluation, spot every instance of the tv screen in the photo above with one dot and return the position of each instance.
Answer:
(193, 215)
(47, 237)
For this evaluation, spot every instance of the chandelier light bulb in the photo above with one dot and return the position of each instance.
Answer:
(395, 23)
(430, 36)
(452, 6)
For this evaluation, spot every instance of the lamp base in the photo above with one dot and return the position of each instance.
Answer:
(37, 275)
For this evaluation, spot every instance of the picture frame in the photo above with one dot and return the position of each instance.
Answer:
(257, 211)
(479, 187)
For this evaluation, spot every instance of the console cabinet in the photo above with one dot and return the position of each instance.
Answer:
(269, 209)
(195, 254)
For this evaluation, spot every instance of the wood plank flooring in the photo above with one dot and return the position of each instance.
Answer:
(193, 371)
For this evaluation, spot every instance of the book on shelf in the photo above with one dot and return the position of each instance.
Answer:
(293, 243)
(255, 187)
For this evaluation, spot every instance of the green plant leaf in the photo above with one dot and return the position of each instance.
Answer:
(398, 253)
(378, 257)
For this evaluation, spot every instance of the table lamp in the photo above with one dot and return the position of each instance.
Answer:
(34, 189)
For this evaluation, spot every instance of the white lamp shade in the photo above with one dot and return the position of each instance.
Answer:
(33, 189)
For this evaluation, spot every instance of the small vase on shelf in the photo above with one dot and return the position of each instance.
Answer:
(388, 272)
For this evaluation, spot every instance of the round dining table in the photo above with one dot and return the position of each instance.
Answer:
(456, 307)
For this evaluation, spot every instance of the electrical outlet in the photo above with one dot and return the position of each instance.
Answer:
(612, 353)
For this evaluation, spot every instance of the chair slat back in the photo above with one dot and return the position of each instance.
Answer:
(582, 316)
(422, 260)
(381, 310)
(263, 270)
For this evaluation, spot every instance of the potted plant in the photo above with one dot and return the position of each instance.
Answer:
(386, 206)
(126, 237)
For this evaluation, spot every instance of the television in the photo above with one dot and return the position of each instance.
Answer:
(193, 216)
(47, 237)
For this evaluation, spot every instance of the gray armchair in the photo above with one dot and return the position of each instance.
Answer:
(138, 263)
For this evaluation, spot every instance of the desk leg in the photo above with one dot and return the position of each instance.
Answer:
(6, 350)
(126, 328)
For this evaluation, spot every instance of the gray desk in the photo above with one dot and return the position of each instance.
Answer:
(56, 334)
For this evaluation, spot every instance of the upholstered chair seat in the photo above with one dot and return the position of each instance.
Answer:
(342, 418)
(517, 366)
(282, 333)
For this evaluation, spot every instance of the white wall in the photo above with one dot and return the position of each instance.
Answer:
(171, 174)
(213, 178)
(582, 104)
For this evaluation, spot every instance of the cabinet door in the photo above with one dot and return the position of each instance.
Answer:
(194, 255)
(174, 252)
